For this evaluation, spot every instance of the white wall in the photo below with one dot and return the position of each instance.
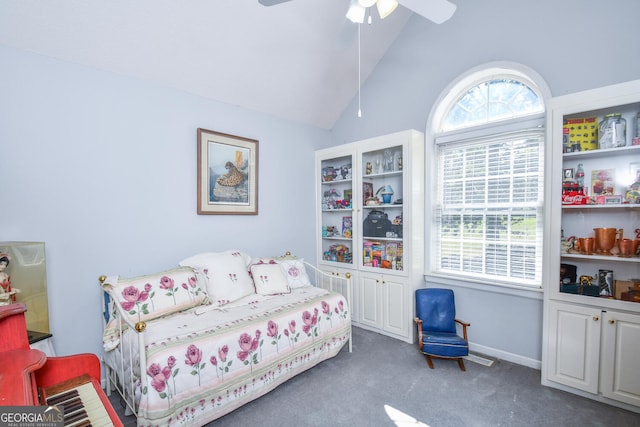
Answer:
(102, 168)
(574, 45)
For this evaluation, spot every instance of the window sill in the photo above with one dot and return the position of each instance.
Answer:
(478, 285)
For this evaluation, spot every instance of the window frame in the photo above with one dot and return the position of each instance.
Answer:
(451, 94)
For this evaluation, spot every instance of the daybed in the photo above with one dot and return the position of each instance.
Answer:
(217, 332)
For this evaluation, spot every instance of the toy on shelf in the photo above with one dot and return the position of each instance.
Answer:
(338, 253)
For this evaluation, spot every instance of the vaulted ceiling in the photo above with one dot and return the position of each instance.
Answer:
(297, 60)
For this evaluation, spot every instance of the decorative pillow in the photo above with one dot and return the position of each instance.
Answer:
(152, 296)
(295, 271)
(227, 274)
(269, 279)
(263, 261)
(205, 257)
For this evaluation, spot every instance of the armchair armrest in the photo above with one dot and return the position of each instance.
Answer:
(464, 328)
(419, 325)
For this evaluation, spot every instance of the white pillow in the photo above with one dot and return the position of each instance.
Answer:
(228, 278)
(295, 271)
(205, 257)
(269, 279)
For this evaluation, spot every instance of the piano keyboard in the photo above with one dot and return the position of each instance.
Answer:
(82, 407)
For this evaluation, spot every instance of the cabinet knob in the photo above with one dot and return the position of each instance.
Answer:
(348, 275)
(596, 318)
(612, 321)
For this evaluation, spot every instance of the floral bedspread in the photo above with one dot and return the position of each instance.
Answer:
(205, 362)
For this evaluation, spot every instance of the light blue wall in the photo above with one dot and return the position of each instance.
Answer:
(574, 45)
(102, 168)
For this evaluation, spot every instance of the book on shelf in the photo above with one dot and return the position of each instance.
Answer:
(347, 226)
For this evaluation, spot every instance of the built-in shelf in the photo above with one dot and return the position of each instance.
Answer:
(619, 151)
(596, 257)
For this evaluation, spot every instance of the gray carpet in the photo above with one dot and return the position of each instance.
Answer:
(353, 389)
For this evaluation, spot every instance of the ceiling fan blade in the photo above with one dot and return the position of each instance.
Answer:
(437, 11)
(271, 2)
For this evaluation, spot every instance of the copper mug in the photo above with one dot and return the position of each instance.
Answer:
(587, 245)
(576, 244)
(625, 247)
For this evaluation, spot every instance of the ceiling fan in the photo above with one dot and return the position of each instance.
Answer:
(437, 11)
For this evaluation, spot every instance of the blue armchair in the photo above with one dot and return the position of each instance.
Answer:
(436, 320)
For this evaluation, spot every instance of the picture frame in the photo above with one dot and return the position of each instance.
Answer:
(603, 182)
(634, 172)
(367, 191)
(227, 174)
(568, 174)
(348, 194)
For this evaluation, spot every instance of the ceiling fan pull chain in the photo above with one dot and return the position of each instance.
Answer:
(359, 109)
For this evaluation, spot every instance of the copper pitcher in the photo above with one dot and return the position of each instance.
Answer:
(605, 240)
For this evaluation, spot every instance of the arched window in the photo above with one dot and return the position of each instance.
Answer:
(488, 150)
(491, 101)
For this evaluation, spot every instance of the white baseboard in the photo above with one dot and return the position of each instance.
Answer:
(503, 355)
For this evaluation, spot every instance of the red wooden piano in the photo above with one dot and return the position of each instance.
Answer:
(28, 377)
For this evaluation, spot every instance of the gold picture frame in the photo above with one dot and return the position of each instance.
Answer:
(227, 174)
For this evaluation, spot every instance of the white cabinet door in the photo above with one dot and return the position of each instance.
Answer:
(397, 316)
(574, 345)
(620, 375)
(384, 304)
(370, 300)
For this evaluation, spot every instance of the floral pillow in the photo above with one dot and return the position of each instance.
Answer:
(269, 279)
(295, 271)
(152, 296)
(227, 274)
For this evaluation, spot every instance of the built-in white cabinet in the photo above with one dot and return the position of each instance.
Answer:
(386, 304)
(370, 224)
(591, 322)
(620, 343)
(594, 350)
(574, 345)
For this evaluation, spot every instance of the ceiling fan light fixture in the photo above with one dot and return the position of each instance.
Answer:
(385, 7)
(356, 12)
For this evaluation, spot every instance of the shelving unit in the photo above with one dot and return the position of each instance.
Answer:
(383, 252)
(581, 220)
(590, 342)
(336, 195)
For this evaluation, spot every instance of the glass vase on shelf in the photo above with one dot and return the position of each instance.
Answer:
(580, 175)
(387, 165)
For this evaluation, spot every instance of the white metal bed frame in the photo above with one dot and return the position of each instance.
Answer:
(126, 386)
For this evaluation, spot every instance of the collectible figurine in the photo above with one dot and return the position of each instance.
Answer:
(7, 295)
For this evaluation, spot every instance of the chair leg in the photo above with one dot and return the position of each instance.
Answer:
(461, 363)
(429, 361)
